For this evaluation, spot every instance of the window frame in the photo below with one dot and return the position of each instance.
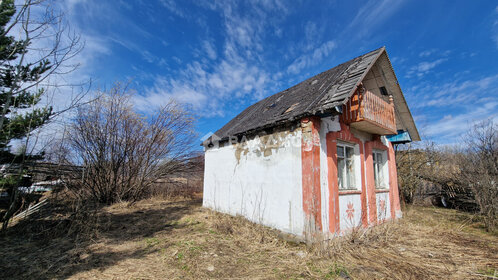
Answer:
(353, 162)
(380, 168)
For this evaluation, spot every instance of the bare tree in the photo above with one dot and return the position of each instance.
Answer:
(415, 163)
(44, 39)
(123, 152)
(464, 178)
(37, 46)
(479, 169)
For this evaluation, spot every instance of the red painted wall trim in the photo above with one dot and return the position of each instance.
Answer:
(310, 157)
(332, 183)
(393, 183)
(376, 143)
(372, 199)
(344, 135)
(382, 191)
(349, 192)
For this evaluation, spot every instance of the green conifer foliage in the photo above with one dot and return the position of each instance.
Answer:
(16, 121)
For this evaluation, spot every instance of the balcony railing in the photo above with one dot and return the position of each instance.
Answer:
(369, 112)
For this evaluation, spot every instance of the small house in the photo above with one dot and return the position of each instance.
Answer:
(317, 157)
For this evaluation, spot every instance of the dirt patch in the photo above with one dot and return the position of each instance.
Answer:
(157, 239)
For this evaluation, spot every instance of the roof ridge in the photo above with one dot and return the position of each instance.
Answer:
(341, 79)
(305, 98)
(344, 75)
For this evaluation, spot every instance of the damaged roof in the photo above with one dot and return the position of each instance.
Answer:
(314, 95)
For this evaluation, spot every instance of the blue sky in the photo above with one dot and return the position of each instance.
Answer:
(221, 56)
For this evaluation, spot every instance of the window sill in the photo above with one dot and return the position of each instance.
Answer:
(343, 192)
(381, 190)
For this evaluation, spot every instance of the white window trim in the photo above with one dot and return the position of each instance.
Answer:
(357, 166)
(384, 170)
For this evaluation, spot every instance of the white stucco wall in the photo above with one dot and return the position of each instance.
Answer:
(383, 213)
(347, 222)
(349, 211)
(260, 179)
(329, 124)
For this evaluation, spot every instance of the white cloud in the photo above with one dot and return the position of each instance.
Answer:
(69, 79)
(450, 128)
(398, 60)
(135, 48)
(372, 14)
(68, 84)
(455, 93)
(494, 28)
(424, 67)
(311, 35)
(210, 49)
(427, 52)
(451, 108)
(205, 90)
(313, 58)
(235, 72)
(173, 8)
(71, 4)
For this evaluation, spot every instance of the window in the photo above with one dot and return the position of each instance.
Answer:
(379, 161)
(345, 167)
(383, 91)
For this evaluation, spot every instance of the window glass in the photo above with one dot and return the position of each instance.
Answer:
(378, 168)
(379, 158)
(340, 151)
(345, 167)
(340, 172)
(349, 152)
(350, 174)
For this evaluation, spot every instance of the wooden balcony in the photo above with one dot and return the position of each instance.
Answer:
(369, 112)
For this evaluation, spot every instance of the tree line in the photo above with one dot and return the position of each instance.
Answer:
(462, 176)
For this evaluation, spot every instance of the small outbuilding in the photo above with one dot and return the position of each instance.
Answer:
(317, 157)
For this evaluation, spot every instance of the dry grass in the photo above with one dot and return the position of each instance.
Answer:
(157, 239)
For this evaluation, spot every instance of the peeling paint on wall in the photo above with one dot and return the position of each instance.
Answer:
(240, 180)
(310, 156)
(288, 180)
(264, 145)
(331, 124)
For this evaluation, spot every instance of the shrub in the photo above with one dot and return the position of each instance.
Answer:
(479, 170)
(123, 152)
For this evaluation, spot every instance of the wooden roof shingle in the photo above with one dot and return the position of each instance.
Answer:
(316, 94)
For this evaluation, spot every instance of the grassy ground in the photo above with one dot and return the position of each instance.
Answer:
(158, 239)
